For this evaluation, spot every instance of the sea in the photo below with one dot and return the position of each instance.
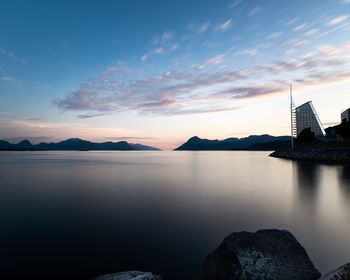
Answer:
(76, 215)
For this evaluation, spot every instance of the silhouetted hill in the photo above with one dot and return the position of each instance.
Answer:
(24, 144)
(5, 144)
(143, 147)
(253, 142)
(271, 146)
(75, 144)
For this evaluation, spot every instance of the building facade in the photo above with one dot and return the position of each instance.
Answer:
(306, 117)
(345, 116)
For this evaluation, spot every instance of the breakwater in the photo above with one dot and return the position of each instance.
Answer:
(336, 156)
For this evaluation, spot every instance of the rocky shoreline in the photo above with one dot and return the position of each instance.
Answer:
(334, 156)
(266, 254)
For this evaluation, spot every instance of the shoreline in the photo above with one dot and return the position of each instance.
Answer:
(321, 155)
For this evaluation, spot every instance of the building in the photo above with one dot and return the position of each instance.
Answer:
(345, 116)
(306, 117)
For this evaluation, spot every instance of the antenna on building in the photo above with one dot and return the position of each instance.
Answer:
(292, 117)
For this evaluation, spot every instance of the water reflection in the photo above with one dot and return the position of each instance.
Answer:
(307, 182)
(345, 174)
(84, 214)
(344, 177)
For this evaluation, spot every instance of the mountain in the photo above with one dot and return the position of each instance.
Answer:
(271, 146)
(143, 147)
(5, 144)
(75, 144)
(253, 142)
(24, 144)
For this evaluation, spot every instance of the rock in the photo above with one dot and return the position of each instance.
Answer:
(338, 156)
(130, 275)
(266, 254)
(341, 273)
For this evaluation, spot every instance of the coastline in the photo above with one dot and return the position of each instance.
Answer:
(322, 155)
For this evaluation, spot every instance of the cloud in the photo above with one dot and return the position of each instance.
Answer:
(160, 45)
(325, 77)
(202, 90)
(144, 57)
(300, 27)
(11, 80)
(4, 115)
(246, 92)
(204, 27)
(294, 44)
(337, 20)
(208, 109)
(26, 129)
(215, 60)
(94, 115)
(255, 11)
(166, 37)
(225, 25)
(292, 21)
(8, 79)
(134, 138)
(274, 35)
(10, 55)
(235, 3)
(174, 47)
(345, 1)
(33, 119)
(168, 93)
(312, 32)
(158, 50)
(249, 52)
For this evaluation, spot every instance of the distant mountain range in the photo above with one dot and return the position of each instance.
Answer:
(75, 144)
(252, 143)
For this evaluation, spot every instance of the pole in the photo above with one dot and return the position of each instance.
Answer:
(291, 116)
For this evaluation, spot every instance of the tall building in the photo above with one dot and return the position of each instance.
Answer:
(306, 117)
(345, 116)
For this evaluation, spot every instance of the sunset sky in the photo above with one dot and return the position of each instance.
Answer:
(158, 72)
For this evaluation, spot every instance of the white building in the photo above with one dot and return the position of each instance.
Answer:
(306, 117)
(345, 116)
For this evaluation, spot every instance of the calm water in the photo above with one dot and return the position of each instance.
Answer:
(80, 214)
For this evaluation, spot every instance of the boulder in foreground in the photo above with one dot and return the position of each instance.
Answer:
(341, 273)
(130, 275)
(266, 254)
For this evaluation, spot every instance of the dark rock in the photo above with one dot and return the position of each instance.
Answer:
(341, 273)
(266, 254)
(130, 275)
(338, 156)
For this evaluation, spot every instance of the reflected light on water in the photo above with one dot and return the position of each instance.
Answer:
(91, 213)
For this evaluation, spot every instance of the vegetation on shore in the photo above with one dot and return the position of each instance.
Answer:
(337, 137)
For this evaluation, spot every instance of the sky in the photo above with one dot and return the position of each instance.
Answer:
(158, 72)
